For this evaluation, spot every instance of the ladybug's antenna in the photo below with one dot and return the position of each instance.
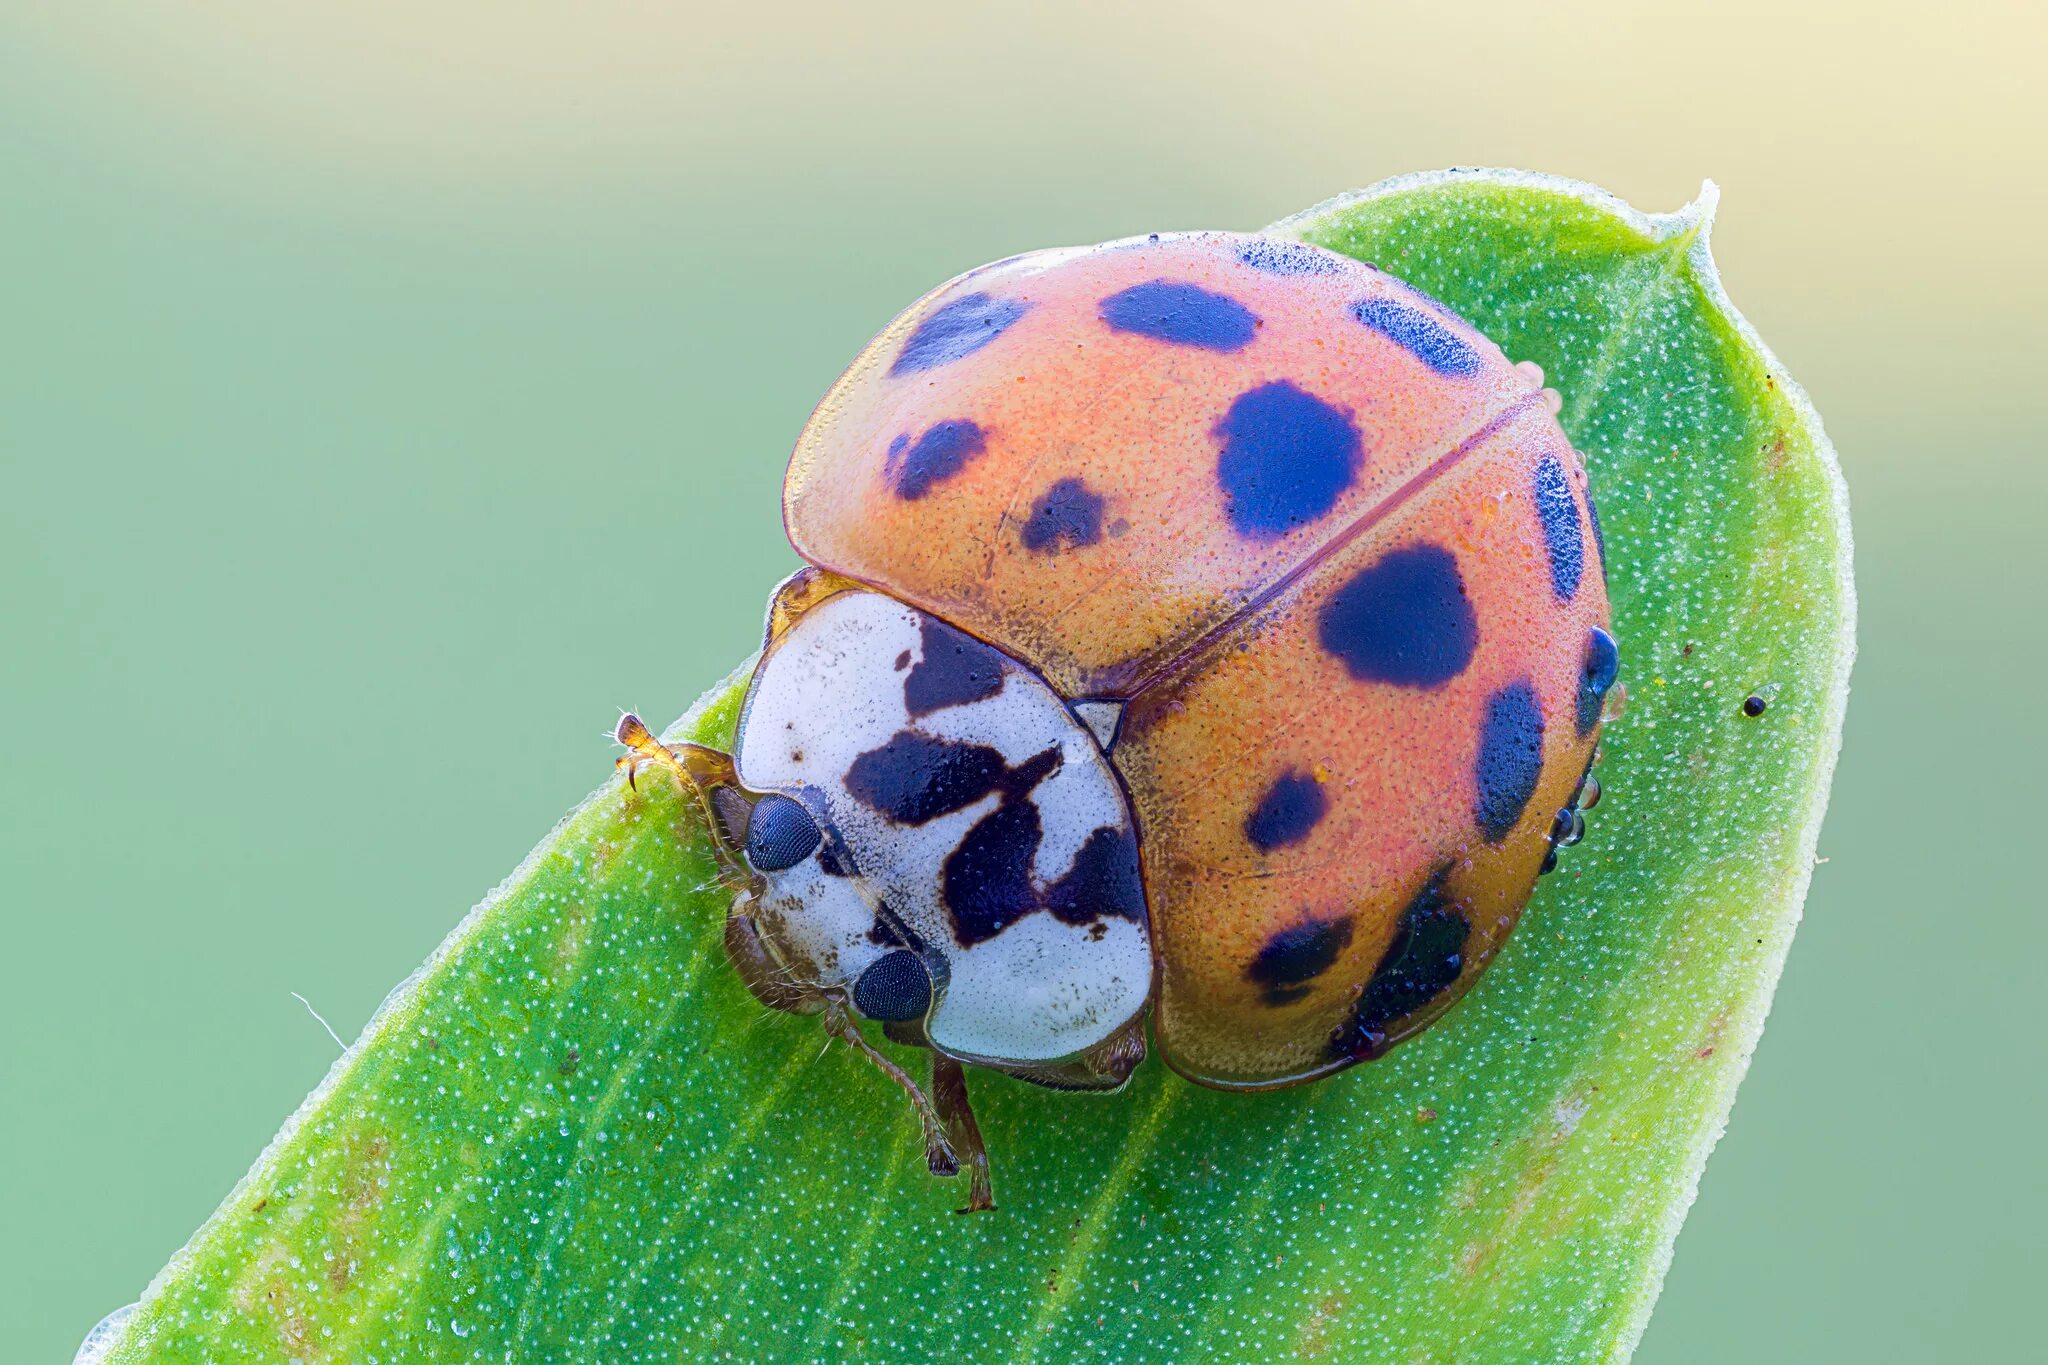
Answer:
(643, 749)
(706, 773)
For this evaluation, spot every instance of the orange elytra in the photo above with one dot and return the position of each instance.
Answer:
(1206, 626)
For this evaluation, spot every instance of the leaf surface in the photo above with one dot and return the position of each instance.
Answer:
(572, 1135)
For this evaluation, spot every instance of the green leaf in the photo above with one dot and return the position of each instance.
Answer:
(573, 1135)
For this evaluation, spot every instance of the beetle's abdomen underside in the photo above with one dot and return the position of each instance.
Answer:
(1330, 544)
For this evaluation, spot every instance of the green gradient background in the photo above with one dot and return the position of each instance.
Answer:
(391, 395)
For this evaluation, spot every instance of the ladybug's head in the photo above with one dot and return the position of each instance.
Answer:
(935, 834)
(820, 923)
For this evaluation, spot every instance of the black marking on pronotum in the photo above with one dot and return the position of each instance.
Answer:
(888, 931)
(916, 778)
(1423, 961)
(1510, 759)
(986, 880)
(895, 988)
(1067, 514)
(1297, 955)
(1404, 619)
(957, 328)
(833, 858)
(955, 669)
(1290, 809)
(987, 885)
(1103, 882)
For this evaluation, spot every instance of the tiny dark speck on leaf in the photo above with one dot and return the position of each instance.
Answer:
(570, 1059)
(1753, 706)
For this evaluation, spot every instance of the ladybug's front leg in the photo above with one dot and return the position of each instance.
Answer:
(949, 1091)
(938, 1151)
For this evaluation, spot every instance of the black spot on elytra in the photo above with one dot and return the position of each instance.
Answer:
(1423, 961)
(1404, 619)
(1421, 335)
(1558, 510)
(1103, 882)
(1295, 956)
(903, 661)
(1291, 807)
(916, 778)
(1287, 456)
(1068, 512)
(1597, 672)
(895, 988)
(955, 329)
(1184, 314)
(956, 669)
(944, 449)
(1290, 258)
(1510, 760)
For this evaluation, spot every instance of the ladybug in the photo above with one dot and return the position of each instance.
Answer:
(1205, 627)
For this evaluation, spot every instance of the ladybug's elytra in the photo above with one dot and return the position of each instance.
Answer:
(1205, 624)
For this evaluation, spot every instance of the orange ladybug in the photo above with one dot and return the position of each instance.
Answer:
(1204, 626)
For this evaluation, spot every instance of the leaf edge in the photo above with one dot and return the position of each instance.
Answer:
(1696, 220)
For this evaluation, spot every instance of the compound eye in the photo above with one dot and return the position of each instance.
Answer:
(780, 833)
(895, 988)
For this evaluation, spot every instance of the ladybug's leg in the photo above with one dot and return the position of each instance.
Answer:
(949, 1091)
(707, 773)
(938, 1152)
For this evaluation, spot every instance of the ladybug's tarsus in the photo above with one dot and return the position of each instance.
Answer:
(938, 1152)
(949, 1091)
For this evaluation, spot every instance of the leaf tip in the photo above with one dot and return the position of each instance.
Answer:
(1692, 226)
